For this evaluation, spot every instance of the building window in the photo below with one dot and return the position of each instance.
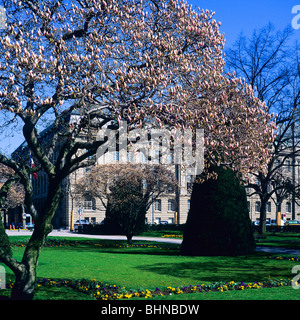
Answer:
(288, 207)
(130, 156)
(257, 206)
(89, 204)
(288, 164)
(157, 220)
(269, 206)
(116, 155)
(171, 220)
(170, 159)
(189, 181)
(42, 184)
(171, 189)
(93, 220)
(55, 156)
(143, 157)
(171, 205)
(157, 205)
(189, 205)
(144, 184)
(156, 157)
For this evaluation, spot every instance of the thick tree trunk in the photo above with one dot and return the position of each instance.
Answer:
(262, 219)
(26, 277)
(129, 238)
(25, 282)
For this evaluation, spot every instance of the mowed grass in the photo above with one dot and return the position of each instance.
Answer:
(280, 239)
(150, 265)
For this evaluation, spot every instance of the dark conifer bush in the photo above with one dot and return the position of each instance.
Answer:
(218, 221)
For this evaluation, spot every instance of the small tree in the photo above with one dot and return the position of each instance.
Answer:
(15, 192)
(11, 192)
(6, 185)
(218, 222)
(127, 191)
(127, 204)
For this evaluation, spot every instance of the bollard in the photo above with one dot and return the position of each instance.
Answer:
(2, 278)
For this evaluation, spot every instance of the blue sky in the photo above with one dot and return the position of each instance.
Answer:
(239, 16)
(236, 16)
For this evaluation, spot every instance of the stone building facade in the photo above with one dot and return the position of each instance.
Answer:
(288, 208)
(162, 210)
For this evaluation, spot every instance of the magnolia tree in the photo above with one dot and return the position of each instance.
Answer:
(126, 191)
(150, 63)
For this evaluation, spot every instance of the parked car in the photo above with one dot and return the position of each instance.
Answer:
(163, 222)
(274, 223)
(292, 222)
(82, 222)
(30, 226)
(269, 223)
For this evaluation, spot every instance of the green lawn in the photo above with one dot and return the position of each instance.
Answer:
(280, 239)
(150, 265)
(153, 265)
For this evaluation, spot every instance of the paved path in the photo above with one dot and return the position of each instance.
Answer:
(291, 252)
(66, 233)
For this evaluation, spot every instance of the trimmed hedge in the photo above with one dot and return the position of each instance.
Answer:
(106, 229)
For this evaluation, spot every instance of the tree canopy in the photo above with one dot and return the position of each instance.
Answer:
(150, 63)
(126, 191)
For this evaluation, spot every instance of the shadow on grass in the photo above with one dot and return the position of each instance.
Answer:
(159, 251)
(214, 269)
(120, 247)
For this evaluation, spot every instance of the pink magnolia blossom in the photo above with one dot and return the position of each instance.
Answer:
(139, 58)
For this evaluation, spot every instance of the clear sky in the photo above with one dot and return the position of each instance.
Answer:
(236, 16)
(239, 16)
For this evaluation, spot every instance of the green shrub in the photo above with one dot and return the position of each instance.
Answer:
(218, 221)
